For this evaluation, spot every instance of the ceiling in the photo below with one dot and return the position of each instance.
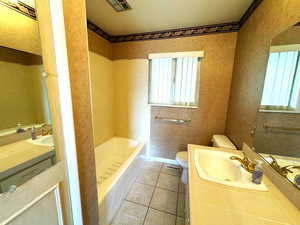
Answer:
(31, 3)
(155, 15)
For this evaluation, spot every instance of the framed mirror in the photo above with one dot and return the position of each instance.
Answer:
(277, 134)
(26, 141)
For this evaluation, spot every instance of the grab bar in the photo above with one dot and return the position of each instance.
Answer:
(282, 128)
(173, 120)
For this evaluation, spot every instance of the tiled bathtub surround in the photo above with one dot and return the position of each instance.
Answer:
(156, 198)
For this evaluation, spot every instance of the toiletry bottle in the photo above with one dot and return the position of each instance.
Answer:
(297, 180)
(19, 128)
(258, 172)
(33, 133)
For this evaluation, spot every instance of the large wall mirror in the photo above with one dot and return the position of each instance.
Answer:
(277, 135)
(26, 143)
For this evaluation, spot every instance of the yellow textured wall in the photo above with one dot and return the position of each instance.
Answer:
(289, 37)
(215, 81)
(131, 98)
(20, 89)
(102, 80)
(270, 19)
(19, 31)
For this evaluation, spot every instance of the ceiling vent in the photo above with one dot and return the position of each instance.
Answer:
(119, 5)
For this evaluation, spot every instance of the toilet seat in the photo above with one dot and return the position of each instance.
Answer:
(182, 158)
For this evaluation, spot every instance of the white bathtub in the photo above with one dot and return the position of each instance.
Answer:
(118, 162)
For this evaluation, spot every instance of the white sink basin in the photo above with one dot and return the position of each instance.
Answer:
(216, 166)
(42, 140)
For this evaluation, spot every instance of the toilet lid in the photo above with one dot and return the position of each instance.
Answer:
(182, 158)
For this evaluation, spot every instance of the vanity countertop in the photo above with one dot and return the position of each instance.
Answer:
(18, 153)
(217, 204)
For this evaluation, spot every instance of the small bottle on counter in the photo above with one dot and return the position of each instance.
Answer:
(19, 128)
(297, 180)
(257, 174)
(33, 133)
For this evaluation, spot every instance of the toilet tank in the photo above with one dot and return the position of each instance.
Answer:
(222, 141)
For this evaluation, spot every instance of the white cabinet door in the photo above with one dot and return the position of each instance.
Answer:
(37, 202)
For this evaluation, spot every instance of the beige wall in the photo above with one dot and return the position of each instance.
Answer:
(131, 98)
(274, 142)
(215, 81)
(290, 36)
(19, 31)
(102, 81)
(270, 19)
(20, 89)
(99, 45)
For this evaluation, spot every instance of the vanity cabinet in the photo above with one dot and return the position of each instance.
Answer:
(22, 176)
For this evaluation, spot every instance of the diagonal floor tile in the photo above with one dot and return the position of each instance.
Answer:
(148, 176)
(155, 217)
(168, 182)
(181, 205)
(153, 165)
(140, 193)
(164, 200)
(171, 169)
(181, 187)
(180, 221)
(130, 214)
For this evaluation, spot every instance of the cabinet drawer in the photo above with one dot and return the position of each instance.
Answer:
(25, 175)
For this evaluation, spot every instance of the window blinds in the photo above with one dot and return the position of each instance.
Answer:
(174, 81)
(281, 88)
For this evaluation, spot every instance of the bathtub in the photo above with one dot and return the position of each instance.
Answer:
(118, 162)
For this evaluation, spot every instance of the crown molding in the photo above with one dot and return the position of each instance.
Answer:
(166, 34)
(20, 7)
(155, 35)
(181, 32)
(249, 12)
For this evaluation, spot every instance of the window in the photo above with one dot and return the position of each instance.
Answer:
(174, 80)
(281, 88)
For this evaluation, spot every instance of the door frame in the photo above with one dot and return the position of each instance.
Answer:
(54, 52)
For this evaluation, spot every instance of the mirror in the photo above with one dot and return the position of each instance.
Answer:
(26, 142)
(277, 134)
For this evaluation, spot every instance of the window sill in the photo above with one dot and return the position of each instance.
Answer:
(175, 106)
(277, 111)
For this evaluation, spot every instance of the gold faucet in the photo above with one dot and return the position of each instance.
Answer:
(46, 129)
(282, 170)
(245, 162)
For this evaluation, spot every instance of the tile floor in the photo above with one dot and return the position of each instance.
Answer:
(156, 197)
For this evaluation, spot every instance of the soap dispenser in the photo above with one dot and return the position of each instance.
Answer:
(258, 172)
(33, 133)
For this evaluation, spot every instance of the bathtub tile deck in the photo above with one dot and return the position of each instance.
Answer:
(156, 198)
(140, 193)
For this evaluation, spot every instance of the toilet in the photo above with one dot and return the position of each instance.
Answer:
(218, 141)
(222, 141)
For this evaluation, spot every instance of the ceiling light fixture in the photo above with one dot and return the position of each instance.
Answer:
(119, 5)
